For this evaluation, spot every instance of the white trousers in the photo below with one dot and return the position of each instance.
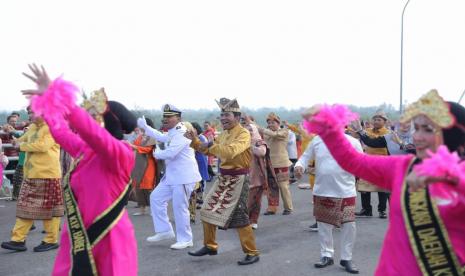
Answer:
(325, 233)
(180, 195)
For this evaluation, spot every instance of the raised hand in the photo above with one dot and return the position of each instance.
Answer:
(416, 182)
(298, 172)
(142, 123)
(356, 125)
(190, 134)
(39, 77)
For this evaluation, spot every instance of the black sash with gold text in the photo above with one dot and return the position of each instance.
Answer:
(82, 240)
(427, 233)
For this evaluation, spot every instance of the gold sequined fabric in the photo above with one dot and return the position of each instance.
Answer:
(96, 104)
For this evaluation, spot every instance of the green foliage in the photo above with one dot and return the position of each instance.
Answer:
(260, 114)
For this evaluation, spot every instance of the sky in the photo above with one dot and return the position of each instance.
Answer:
(265, 53)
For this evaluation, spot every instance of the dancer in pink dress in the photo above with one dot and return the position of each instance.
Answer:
(102, 240)
(426, 228)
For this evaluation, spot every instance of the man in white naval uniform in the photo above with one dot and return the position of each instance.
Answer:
(334, 201)
(178, 182)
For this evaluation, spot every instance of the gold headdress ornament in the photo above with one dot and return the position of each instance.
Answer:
(227, 105)
(381, 114)
(96, 104)
(432, 106)
(273, 117)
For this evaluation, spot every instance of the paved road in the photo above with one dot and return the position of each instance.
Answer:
(286, 245)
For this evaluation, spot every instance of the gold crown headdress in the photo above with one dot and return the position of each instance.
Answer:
(432, 106)
(227, 105)
(273, 117)
(96, 104)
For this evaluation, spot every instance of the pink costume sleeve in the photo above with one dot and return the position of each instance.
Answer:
(114, 152)
(329, 124)
(54, 105)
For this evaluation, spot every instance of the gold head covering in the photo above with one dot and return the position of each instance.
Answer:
(227, 105)
(273, 117)
(96, 104)
(432, 106)
(381, 114)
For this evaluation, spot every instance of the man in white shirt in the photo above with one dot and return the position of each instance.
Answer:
(334, 201)
(179, 179)
(292, 151)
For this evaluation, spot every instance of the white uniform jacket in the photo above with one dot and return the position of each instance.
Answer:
(181, 166)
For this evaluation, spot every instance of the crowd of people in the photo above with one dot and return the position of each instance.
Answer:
(65, 148)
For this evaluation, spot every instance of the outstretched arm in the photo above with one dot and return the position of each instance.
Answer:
(329, 122)
(378, 142)
(177, 144)
(51, 101)
(59, 99)
(151, 132)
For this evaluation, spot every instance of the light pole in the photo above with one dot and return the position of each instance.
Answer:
(402, 54)
(461, 97)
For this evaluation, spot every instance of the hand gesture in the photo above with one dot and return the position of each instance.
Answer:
(190, 134)
(15, 143)
(416, 182)
(356, 125)
(395, 138)
(130, 144)
(298, 172)
(142, 123)
(8, 128)
(40, 78)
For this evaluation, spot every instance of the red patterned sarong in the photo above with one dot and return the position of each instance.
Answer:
(334, 211)
(254, 203)
(40, 199)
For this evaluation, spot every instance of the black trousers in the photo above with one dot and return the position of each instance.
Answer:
(382, 201)
(11, 166)
(291, 169)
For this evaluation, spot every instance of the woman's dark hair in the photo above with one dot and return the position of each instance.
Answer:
(454, 137)
(119, 120)
(197, 127)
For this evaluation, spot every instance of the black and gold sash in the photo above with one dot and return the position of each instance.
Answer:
(82, 239)
(427, 234)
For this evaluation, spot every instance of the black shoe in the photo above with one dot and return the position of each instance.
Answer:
(382, 215)
(13, 245)
(269, 213)
(44, 232)
(203, 251)
(33, 227)
(349, 266)
(324, 262)
(364, 213)
(314, 227)
(287, 212)
(249, 259)
(44, 246)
